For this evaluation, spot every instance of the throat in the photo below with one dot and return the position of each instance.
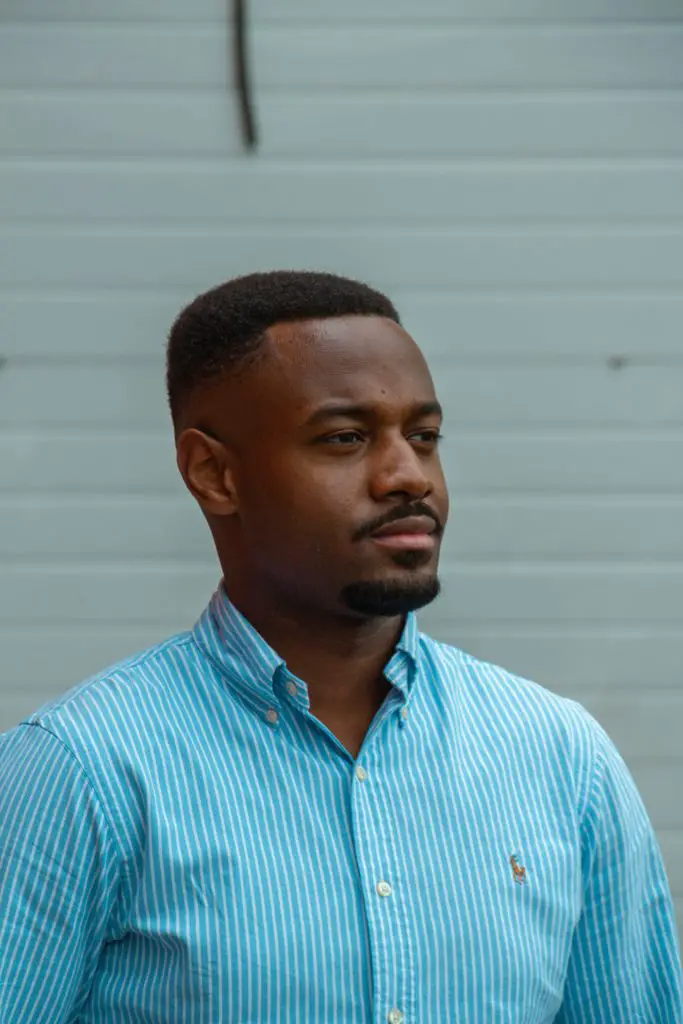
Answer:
(349, 722)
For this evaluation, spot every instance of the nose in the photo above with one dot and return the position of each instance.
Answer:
(400, 471)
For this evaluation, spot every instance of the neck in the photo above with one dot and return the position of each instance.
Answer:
(341, 659)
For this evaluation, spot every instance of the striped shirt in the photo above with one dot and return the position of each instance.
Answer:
(182, 842)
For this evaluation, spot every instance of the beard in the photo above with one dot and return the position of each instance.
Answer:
(391, 597)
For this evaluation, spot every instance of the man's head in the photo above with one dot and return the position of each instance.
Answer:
(306, 421)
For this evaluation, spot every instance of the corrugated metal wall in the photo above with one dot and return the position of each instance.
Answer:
(511, 171)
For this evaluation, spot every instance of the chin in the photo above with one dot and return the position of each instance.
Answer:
(395, 595)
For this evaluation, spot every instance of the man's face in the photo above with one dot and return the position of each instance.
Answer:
(335, 434)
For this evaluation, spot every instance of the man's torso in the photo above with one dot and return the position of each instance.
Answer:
(269, 876)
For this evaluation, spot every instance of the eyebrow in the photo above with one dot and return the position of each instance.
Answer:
(328, 412)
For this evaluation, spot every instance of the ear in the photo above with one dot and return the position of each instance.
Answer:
(205, 466)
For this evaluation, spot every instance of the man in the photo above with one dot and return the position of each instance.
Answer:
(304, 810)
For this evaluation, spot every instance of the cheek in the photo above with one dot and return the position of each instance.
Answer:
(440, 486)
(301, 502)
(321, 509)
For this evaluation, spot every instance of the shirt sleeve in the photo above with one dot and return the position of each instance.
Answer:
(59, 870)
(625, 963)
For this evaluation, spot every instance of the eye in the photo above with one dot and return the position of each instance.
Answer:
(344, 437)
(427, 437)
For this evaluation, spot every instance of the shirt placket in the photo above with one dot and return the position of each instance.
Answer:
(379, 860)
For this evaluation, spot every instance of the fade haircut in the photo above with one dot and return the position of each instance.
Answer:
(223, 328)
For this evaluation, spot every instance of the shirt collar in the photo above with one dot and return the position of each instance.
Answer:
(251, 665)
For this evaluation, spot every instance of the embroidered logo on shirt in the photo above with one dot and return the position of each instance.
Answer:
(518, 870)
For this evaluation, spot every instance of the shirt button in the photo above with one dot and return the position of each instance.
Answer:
(361, 773)
(272, 715)
(383, 889)
(292, 688)
(395, 1017)
(404, 713)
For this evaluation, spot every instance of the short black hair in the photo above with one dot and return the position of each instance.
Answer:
(222, 328)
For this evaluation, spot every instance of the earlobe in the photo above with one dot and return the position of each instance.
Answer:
(204, 465)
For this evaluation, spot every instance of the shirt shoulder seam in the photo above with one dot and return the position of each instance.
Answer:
(84, 772)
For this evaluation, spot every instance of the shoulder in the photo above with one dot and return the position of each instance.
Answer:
(120, 716)
(490, 684)
(109, 728)
(519, 710)
(121, 690)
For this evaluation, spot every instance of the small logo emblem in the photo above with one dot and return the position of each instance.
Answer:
(518, 870)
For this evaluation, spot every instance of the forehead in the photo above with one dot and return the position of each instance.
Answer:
(368, 359)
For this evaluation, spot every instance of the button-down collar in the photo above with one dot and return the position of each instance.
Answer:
(261, 675)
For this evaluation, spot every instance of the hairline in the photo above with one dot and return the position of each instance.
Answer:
(258, 352)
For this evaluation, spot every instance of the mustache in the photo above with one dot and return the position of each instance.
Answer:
(404, 512)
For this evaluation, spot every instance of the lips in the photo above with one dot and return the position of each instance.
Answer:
(411, 533)
(414, 525)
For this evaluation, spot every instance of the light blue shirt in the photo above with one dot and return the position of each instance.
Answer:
(182, 842)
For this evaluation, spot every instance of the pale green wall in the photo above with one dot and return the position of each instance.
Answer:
(510, 170)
